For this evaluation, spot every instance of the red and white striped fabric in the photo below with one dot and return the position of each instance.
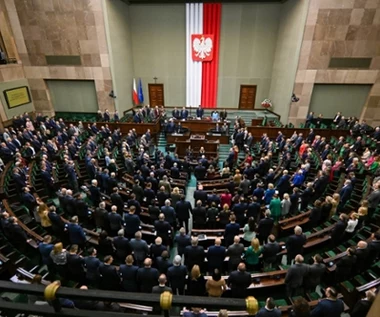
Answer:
(202, 53)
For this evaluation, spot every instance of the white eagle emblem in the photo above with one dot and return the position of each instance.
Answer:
(202, 47)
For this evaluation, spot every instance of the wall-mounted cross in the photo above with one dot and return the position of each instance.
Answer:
(155, 80)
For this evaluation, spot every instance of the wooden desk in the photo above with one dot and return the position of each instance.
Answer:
(208, 145)
(201, 126)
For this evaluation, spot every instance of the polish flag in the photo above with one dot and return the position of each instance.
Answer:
(135, 96)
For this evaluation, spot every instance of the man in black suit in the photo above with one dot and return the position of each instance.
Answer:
(362, 255)
(239, 281)
(115, 221)
(92, 264)
(295, 276)
(199, 216)
(337, 233)
(163, 229)
(363, 306)
(169, 213)
(232, 229)
(215, 256)
(200, 171)
(121, 245)
(374, 247)
(194, 254)
(109, 279)
(100, 216)
(19, 181)
(17, 234)
(315, 274)
(95, 195)
(174, 171)
(183, 210)
(28, 199)
(270, 251)
(128, 275)
(200, 194)
(57, 223)
(75, 265)
(147, 277)
(265, 227)
(183, 240)
(76, 233)
(200, 112)
(81, 208)
(132, 223)
(177, 276)
(345, 193)
(295, 244)
(117, 200)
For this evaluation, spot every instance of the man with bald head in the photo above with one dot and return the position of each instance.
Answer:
(147, 277)
(295, 275)
(239, 281)
(362, 257)
(215, 256)
(235, 252)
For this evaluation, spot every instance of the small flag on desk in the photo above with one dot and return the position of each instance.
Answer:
(135, 97)
(141, 94)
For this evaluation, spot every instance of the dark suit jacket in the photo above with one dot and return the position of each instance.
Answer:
(215, 256)
(194, 255)
(115, 221)
(75, 264)
(182, 242)
(270, 251)
(177, 276)
(147, 278)
(76, 234)
(122, 247)
(92, 264)
(128, 274)
(239, 282)
(183, 210)
(338, 231)
(314, 276)
(295, 275)
(200, 195)
(162, 228)
(232, 229)
(109, 279)
(295, 244)
(345, 194)
(265, 227)
(132, 223)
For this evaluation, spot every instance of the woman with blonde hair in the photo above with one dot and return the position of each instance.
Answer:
(351, 225)
(237, 177)
(59, 257)
(363, 212)
(216, 285)
(43, 211)
(252, 255)
(224, 216)
(196, 283)
(175, 196)
(334, 202)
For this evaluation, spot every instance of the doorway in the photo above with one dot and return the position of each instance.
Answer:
(156, 95)
(247, 97)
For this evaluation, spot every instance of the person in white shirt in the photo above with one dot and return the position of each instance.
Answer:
(351, 225)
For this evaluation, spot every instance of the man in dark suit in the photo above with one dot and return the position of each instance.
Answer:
(175, 113)
(374, 247)
(57, 223)
(373, 200)
(200, 112)
(117, 200)
(265, 227)
(239, 281)
(147, 277)
(177, 276)
(28, 199)
(95, 195)
(270, 251)
(18, 180)
(183, 210)
(132, 223)
(295, 244)
(174, 171)
(100, 216)
(215, 256)
(76, 233)
(234, 252)
(194, 254)
(121, 245)
(309, 119)
(363, 306)
(128, 275)
(232, 229)
(337, 233)
(320, 185)
(199, 216)
(345, 193)
(200, 194)
(362, 255)
(295, 276)
(183, 240)
(115, 221)
(184, 113)
(169, 213)
(200, 171)
(315, 274)
(81, 208)
(45, 249)
(92, 264)
(75, 265)
(109, 279)
(163, 229)
(330, 306)
(337, 117)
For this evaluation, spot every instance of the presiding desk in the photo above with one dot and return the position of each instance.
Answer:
(196, 142)
(201, 126)
(171, 138)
